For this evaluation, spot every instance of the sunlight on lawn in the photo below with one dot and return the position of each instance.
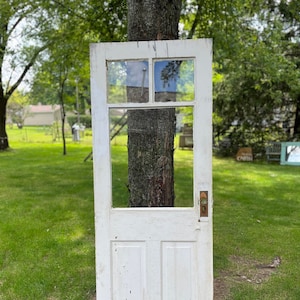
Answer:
(47, 220)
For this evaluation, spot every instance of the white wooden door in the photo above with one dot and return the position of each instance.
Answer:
(153, 253)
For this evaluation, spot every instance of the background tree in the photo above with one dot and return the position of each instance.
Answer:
(27, 28)
(63, 60)
(255, 100)
(290, 17)
(63, 74)
(18, 59)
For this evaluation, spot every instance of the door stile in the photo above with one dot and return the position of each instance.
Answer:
(101, 169)
(203, 167)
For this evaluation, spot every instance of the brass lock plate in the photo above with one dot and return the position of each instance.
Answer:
(203, 203)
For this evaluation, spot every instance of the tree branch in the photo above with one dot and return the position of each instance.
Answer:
(25, 71)
(14, 26)
(196, 20)
(69, 10)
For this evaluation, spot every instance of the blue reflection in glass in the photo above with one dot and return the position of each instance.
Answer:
(174, 80)
(137, 74)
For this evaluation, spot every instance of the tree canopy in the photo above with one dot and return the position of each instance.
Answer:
(258, 95)
(53, 36)
(256, 57)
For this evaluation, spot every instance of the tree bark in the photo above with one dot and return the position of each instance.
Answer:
(151, 132)
(63, 118)
(296, 133)
(3, 135)
(150, 157)
(153, 19)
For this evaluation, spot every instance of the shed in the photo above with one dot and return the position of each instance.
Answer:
(42, 115)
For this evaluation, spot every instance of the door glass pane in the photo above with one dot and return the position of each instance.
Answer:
(127, 81)
(174, 80)
(290, 153)
(144, 154)
(293, 153)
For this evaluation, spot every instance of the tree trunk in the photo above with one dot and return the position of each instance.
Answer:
(3, 135)
(63, 118)
(150, 157)
(296, 133)
(151, 132)
(153, 19)
(63, 79)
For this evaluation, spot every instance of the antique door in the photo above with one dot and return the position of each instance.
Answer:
(153, 252)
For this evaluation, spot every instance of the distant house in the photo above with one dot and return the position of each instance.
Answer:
(42, 115)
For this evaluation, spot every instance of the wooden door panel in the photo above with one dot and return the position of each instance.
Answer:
(129, 270)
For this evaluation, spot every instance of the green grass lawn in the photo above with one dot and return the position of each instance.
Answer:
(47, 222)
(256, 218)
